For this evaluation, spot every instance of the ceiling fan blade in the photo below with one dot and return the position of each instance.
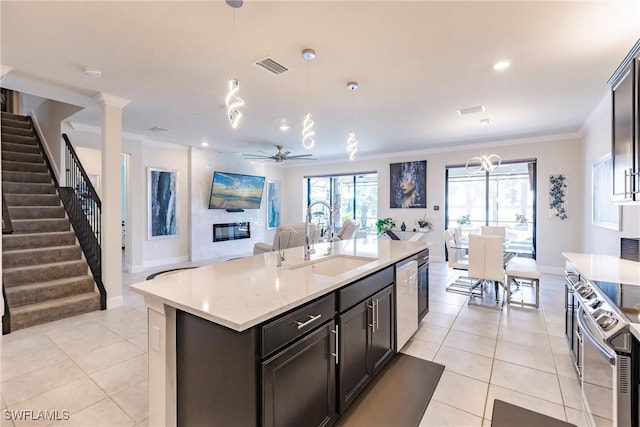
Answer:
(297, 156)
(255, 156)
(265, 153)
(286, 153)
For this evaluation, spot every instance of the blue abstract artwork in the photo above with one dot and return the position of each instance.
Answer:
(163, 218)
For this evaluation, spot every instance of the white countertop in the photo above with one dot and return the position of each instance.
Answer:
(244, 292)
(605, 268)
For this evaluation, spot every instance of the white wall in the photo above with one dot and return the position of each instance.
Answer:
(597, 143)
(141, 252)
(553, 157)
(203, 164)
(48, 115)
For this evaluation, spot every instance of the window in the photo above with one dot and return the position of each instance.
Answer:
(505, 197)
(351, 197)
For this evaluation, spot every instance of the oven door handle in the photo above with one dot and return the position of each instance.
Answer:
(587, 333)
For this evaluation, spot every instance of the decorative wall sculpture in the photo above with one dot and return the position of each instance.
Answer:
(557, 197)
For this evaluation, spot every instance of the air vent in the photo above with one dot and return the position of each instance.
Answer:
(630, 249)
(271, 65)
(158, 129)
(470, 110)
(624, 375)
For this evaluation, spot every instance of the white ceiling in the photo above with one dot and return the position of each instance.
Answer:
(416, 63)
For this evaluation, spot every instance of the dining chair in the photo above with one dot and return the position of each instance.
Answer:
(491, 230)
(458, 260)
(486, 264)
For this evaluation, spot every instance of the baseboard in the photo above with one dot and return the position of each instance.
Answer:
(164, 262)
(115, 302)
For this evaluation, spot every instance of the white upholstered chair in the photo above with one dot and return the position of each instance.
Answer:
(289, 236)
(457, 258)
(486, 263)
(348, 230)
(490, 230)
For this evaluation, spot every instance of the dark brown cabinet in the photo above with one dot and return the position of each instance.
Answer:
(625, 128)
(299, 382)
(367, 335)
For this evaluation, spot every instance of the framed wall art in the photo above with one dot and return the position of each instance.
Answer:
(408, 185)
(604, 213)
(273, 204)
(162, 187)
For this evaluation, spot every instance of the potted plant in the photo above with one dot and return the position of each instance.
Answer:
(385, 224)
(463, 219)
(423, 224)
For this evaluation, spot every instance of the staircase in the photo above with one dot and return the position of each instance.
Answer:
(44, 275)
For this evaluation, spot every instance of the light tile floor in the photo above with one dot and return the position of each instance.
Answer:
(95, 365)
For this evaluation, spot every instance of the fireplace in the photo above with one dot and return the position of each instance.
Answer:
(231, 231)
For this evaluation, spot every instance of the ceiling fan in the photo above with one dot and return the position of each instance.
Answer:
(279, 157)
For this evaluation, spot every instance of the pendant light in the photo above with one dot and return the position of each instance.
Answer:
(308, 131)
(484, 163)
(352, 142)
(234, 103)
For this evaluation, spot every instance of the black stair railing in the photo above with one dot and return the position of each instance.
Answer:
(83, 208)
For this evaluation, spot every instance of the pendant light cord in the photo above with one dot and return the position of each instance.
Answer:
(233, 71)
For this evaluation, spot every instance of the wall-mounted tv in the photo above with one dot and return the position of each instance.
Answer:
(236, 191)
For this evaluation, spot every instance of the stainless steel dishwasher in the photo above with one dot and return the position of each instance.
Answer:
(406, 301)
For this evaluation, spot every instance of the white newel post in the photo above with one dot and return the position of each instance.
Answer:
(111, 227)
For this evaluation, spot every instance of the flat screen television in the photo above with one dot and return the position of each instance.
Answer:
(236, 191)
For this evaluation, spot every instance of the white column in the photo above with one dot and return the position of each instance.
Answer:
(111, 226)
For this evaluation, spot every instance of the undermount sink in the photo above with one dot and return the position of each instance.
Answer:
(332, 265)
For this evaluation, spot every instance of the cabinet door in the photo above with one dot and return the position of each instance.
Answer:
(383, 336)
(623, 143)
(353, 369)
(299, 382)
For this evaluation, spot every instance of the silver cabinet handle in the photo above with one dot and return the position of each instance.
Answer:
(377, 304)
(337, 343)
(626, 180)
(312, 319)
(373, 316)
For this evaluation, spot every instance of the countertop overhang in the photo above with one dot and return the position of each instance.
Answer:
(245, 292)
(605, 268)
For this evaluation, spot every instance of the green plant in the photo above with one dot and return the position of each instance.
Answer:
(463, 219)
(521, 219)
(423, 223)
(382, 225)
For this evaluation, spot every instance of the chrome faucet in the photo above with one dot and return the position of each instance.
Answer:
(307, 248)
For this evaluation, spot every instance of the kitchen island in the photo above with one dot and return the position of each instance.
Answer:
(245, 342)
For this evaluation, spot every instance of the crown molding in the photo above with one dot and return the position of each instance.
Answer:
(4, 70)
(111, 100)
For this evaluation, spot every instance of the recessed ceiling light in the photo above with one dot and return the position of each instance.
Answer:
(204, 143)
(92, 72)
(502, 65)
(485, 122)
(284, 127)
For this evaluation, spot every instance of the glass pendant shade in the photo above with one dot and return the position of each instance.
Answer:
(307, 131)
(352, 145)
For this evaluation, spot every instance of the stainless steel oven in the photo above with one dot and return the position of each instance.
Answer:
(604, 358)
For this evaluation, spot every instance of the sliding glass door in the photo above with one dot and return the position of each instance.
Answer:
(351, 197)
(505, 197)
